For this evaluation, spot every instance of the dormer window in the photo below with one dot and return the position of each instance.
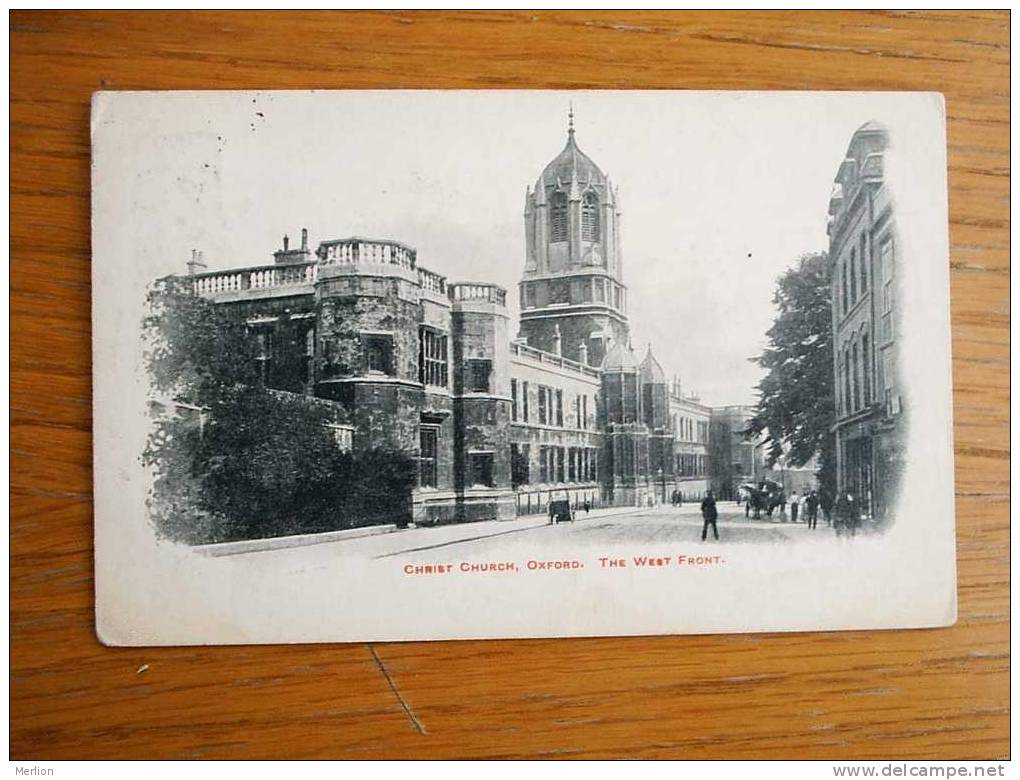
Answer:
(558, 217)
(590, 227)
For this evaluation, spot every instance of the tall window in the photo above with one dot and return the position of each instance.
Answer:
(560, 465)
(310, 354)
(888, 302)
(429, 436)
(264, 354)
(559, 408)
(432, 362)
(519, 464)
(847, 398)
(866, 365)
(378, 351)
(856, 377)
(590, 222)
(478, 375)
(513, 400)
(853, 276)
(558, 217)
(480, 464)
(524, 393)
(543, 405)
(844, 289)
(864, 263)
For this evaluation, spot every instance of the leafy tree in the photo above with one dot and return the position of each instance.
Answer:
(245, 461)
(796, 402)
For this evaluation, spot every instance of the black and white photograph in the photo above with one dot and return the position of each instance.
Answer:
(435, 365)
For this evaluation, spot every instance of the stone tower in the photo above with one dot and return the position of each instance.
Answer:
(572, 296)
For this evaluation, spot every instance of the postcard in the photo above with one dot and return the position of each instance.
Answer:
(428, 365)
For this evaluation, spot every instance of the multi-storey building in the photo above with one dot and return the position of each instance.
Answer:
(498, 424)
(863, 261)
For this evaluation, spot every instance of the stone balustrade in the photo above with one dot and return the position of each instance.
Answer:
(478, 291)
(523, 350)
(357, 251)
(254, 278)
(432, 281)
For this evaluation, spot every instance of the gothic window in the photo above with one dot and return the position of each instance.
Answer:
(590, 223)
(558, 217)
(429, 436)
(432, 358)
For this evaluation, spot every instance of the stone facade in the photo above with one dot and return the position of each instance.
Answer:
(498, 425)
(863, 260)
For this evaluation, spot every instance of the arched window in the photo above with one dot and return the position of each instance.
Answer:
(590, 223)
(558, 217)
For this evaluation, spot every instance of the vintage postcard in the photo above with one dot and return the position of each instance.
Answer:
(445, 364)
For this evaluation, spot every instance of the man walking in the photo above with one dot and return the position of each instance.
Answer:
(709, 515)
(794, 507)
(811, 506)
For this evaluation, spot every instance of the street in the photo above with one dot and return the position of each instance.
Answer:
(600, 528)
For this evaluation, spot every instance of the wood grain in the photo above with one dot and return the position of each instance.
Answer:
(902, 694)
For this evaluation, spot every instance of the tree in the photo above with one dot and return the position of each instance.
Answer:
(245, 461)
(796, 402)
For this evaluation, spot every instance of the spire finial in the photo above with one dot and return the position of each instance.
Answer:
(570, 120)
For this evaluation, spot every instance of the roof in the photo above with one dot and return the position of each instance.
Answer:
(572, 163)
(620, 358)
(651, 371)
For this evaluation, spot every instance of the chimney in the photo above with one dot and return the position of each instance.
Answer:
(286, 242)
(582, 353)
(304, 239)
(196, 264)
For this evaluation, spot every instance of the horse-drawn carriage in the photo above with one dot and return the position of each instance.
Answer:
(763, 496)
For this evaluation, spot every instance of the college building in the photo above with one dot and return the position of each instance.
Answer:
(863, 261)
(500, 416)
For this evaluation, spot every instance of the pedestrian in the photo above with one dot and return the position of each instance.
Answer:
(847, 515)
(794, 506)
(709, 514)
(853, 518)
(825, 502)
(811, 506)
(587, 506)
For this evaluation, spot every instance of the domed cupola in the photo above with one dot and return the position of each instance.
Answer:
(571, 166)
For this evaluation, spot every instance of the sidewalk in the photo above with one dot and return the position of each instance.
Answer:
(425, 535)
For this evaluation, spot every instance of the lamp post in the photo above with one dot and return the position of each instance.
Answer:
(662, 480)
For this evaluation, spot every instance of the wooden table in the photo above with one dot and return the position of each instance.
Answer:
(898, 694)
